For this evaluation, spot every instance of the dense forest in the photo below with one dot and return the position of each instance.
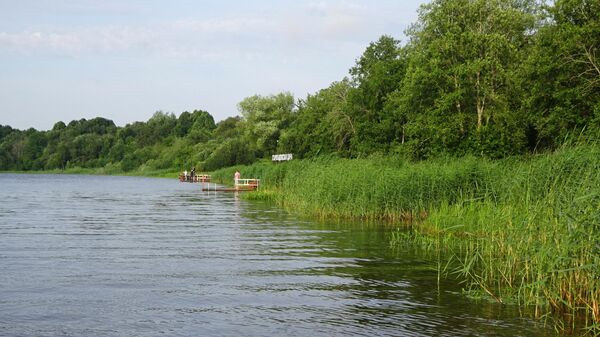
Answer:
(489, 78)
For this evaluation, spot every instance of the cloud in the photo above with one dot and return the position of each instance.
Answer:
(314, 26)
(28, 42)
(78, 7)
(223, 25)
(188, 38)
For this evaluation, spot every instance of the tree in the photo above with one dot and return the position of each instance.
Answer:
(232, 152)
(32, 147)
(377, 73)
(321, 124)
(202, 126)
(184, 123)
(99, 126)
(562, 73)
(59, 126)
(459, 93)
(85, 148)
(5, 130)
(159, 126)
(265, 117)
(58, 158)
(228, 128)
(8, 136)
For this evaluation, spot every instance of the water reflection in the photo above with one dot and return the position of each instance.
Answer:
(111, 256)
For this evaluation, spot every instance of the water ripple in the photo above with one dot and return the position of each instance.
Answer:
(124, 256)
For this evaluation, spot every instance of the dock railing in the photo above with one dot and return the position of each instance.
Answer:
(247, 183)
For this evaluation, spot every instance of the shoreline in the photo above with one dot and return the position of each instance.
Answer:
(103, 171)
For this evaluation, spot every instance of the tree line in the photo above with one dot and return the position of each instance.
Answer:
(492, 78)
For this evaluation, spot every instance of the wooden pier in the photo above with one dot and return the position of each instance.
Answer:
(226, 189)
(247, 183)
(241, 185)
(197, 178)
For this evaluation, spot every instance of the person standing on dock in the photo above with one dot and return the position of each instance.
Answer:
(185, 177)
(236, 178)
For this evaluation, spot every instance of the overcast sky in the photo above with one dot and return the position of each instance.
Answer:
(124, 60)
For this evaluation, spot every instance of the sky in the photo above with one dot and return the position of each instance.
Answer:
(63, 60)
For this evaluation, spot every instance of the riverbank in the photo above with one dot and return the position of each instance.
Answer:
(108, 170)
(522, 230)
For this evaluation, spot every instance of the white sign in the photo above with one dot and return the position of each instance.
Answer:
(281, 157)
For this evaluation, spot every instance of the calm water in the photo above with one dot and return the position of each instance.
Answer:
(128, 256)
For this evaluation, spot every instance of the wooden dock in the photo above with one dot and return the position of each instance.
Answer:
(198, 178)
(227, 189)
(241, 185)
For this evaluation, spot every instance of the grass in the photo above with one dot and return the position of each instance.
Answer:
(520, 230)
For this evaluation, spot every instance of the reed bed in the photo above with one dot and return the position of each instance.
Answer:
(524, 230)
(535, 238)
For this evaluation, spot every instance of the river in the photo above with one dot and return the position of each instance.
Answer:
(129, 256)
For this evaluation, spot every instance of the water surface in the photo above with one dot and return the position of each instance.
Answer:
(129, 256)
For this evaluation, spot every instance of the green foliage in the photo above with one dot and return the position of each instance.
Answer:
(458, 93)
(163, 142)
(321, 124)
(227, 128)
(231, 152)
(202, 126)
(264, 119)
(377, 73)
(484, 78)
(184, 124)
(562, 73)
(5, 130)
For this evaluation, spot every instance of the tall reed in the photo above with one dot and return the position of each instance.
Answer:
(536, 237)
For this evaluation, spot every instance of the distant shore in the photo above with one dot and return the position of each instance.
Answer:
(103, 171)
